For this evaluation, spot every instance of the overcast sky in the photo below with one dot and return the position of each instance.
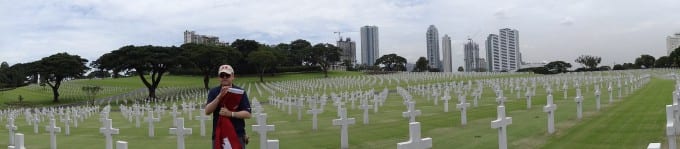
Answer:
(549, 30)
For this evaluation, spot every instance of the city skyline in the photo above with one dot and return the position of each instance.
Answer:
(618, 31)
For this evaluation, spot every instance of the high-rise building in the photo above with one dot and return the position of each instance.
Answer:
(672, 42)
(482, 65)
(192, 37)
(432, 38)
(369, 44)
(502, 50)
(471, 55)
(349, 50)
(446, 47)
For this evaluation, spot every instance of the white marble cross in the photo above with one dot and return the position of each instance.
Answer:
(36, 120)
(262, 128)
(343, 122)
(579, 104)
(364, 106)
(52, 128)
(462, 106)
(108, 130)
(202, 118)
(528, 96)
(67, 127)
(670, 126)
(411, 113)
(174, 114)
(180, 131)
(151, 119)
(415, 142)
(597, 98)
(314, 111)
(446, 99)
(501, 123)
(500, 99)
(11, 128)
(550, 108)
(611, 96)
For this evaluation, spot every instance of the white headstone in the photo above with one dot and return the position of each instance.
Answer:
(654, 146)
(411, 113)
(262, 128)
(314, 111)
(415, 142)
(364, 106)
(501, 123)
(151, 119)
(343, 122)
(180, 131)
(446, 99)
(462, 106)
(550, 108)
(52, 128)
(174, 114)
(36, 120)
(670, 126)
(18, 142)
(108, 130)
(121, 145)
(272, 144)
(202, 118)
(579, 104)
(67, 127)
(597, 98)
(11, 128)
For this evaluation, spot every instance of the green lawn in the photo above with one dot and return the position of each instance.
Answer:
(632, 122)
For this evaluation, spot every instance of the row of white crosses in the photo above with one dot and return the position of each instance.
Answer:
(415, 141)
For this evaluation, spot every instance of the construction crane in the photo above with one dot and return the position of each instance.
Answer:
(340, 34)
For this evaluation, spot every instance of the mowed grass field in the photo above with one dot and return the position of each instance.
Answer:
(631, 122)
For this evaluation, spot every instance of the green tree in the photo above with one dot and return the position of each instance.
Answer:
(630, 66)
(99, 74)
(245, 47)
(264, 58)
(4, 66)
(589, 61)
(300, 52)
(55, 68)
(207, 58)
(325, 55)
(675, 57)
(558, 66)
(392, 62)
(645, 60)
(91, 91)
(144, 60)
(421, 65)
(663, 62)
(460, 69)
(618, 67)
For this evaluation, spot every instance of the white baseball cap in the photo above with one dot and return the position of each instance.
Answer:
(226, 69)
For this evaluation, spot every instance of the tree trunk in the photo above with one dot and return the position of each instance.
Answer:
(261, 74)
(206, 81)
(55, 93)
(152, 93)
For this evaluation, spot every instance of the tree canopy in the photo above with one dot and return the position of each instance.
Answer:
(55, 68)
(421, 65)
(589, 61)
(207, 58)
(153, 60)
(392, 62)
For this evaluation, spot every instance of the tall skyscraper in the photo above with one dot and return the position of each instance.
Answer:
(369, 44)
(672, 42)
(446, 47)
(192, 37)
(482, 65)
(502, 50)
(432, 37)
(471, 55)
(349, 50)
